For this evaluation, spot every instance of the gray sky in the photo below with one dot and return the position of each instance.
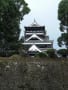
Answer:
(45, 13)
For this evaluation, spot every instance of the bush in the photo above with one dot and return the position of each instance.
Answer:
(7, 53)
(51, 53)
(63, 52)
(42, 54)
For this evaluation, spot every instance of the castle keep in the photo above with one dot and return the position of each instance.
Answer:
(36, 39)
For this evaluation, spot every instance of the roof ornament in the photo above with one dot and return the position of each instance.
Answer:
(35, 24)
(35, 21)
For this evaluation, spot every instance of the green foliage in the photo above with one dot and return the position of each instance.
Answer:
(41, 54)
(51, 53)
(63, 12)
(63, 52)
(11, 13)
(8, 53)
(63, 17)
(63, 40)
(61, 27)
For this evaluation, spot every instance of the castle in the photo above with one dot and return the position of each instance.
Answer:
(36, 39)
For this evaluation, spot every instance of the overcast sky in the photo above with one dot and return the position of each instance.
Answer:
(45, 13)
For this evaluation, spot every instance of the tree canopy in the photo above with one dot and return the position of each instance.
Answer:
(63, 17)
(11, 13)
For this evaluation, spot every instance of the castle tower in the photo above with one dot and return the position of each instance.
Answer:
(35, 38)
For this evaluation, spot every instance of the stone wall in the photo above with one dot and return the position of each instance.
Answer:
(33, 75)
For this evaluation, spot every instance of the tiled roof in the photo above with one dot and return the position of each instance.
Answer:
(34, 48)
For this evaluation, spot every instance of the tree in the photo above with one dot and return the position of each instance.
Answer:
(11, 13)
(63, 17)
(42, 54)
(51, 53)
(63, 52)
